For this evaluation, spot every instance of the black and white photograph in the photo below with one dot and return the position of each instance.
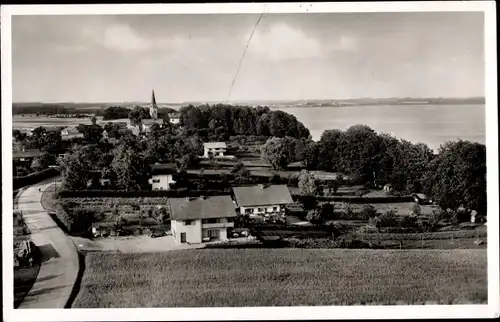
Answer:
(264, 157)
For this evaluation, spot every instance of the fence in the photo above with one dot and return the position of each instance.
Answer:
(139, 194)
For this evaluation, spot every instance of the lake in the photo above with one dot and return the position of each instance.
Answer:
(430, 124)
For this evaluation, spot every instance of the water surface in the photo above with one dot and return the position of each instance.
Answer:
(430, 124)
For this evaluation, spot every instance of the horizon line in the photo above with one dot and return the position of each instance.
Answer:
(254, 100)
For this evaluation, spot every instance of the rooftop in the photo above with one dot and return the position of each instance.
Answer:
(164, 168)
(262, 195)
(71, 130)
(215, 145)
(71, 136)
(151, 121)
(174, 114)
(201, 208)
(26, 154)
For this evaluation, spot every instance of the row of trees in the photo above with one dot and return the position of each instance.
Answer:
(455, 176)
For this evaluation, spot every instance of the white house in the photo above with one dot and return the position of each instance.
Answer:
(174, 118)
(214, 149)
(147, 123)
(202, 219)
(70, 133)
(262, 199)
(162, 176)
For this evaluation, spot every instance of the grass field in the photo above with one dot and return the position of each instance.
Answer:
(282, 277)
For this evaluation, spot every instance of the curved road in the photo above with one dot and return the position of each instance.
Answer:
(59, 263)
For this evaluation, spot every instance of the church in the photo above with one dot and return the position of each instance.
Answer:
(153, 108)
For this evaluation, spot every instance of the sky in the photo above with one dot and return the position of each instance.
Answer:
(104, 58)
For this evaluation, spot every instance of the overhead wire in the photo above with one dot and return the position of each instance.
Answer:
(243, 55)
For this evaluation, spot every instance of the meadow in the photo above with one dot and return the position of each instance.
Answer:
(282, 277)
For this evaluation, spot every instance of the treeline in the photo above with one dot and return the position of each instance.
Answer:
(218, 122)
(56, 108)
(119, 112)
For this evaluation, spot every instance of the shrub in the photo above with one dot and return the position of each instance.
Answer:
(368, 211)
(416, 210)
(389, 219)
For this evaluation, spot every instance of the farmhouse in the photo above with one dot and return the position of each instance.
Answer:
(161, 176)
(197, 220)
(214, 149)
(262, 199)
(70, 133)
(174, 118)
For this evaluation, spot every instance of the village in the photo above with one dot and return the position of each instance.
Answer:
(225, 192)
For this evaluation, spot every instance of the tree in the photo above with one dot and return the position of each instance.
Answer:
(75, 171)
(18, 135)
(307, 184)
(42, 162)
(93, 120)
(315, 217)
(91, 133)
(457, 176)
(240, 171)
(115, 113)
(276, 152)
(138, 114)
(127, 169)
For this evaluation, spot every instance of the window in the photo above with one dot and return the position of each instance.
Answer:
(156, 180)
(188, 222)
(230, 219)
(211, 221)
(261, 210)
(275, 208)
(249, 211)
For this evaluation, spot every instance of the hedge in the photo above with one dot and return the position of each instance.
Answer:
(35, 177)
(63, 218)
(138, 194)
(359, 200)
(424, 236)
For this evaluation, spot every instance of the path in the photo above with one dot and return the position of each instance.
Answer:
(59, 262)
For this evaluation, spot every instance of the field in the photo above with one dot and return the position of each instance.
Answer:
(32, 121)
(282, 277)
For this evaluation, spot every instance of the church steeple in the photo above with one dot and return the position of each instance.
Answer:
(153, 99)
(153, 108)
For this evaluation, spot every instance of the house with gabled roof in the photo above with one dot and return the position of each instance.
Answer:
(262, 199)
(174, 118)
(162, 176)
(214, 149)
(201, 219)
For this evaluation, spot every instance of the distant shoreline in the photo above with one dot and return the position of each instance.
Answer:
(20, 107)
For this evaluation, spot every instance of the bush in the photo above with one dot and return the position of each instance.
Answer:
(368, 211)
(416, 210)
(389, 219)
